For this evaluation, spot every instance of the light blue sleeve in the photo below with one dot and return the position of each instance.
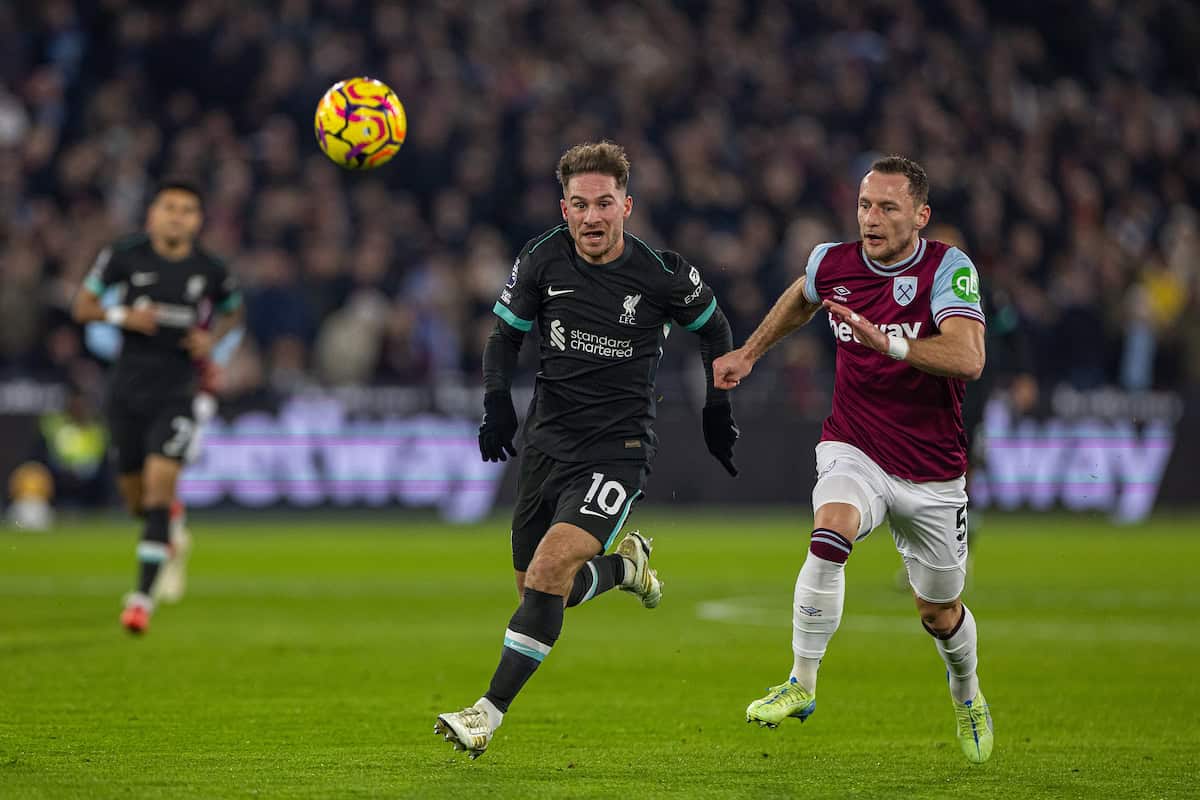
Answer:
(223, 350)
(955, 289)
(103, 339)
(810, 271)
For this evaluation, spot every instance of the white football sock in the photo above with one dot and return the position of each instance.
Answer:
(495, 715)
(960, 652)
(804, 670)
(629, 570)
(816, 612)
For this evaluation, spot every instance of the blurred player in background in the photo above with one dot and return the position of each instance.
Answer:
(164, 282)
(104, 340)
(604, 302)
(906, 315)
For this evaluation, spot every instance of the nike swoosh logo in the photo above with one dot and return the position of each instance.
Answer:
(550, 291)
(584, 510)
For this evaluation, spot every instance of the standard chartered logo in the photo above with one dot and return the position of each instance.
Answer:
(591, 343)
(597, 345)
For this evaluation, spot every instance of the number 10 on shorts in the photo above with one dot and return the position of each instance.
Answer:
(608, 495)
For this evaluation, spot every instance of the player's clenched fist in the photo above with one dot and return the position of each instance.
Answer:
(729, 369)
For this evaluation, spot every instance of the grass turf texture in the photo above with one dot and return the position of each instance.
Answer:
(312, 655)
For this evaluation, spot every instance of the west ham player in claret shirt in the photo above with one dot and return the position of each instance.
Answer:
(604, 302)
(906, 318)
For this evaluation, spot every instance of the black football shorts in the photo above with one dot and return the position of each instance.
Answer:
(595, 496)
(134, 434)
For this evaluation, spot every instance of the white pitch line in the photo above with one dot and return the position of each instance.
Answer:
(753, 611)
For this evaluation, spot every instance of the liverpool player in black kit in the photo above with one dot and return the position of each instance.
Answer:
(604, 302)
(165, 281)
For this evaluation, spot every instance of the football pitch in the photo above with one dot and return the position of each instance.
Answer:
(313, 653)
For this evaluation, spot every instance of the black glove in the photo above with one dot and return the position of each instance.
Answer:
(720, 433)
(498, 428)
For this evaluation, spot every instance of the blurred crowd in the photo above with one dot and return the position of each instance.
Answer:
(1057, 148)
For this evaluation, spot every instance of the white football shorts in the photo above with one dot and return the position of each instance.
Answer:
(928, 520)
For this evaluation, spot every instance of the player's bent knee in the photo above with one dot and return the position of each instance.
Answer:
(843, 518)
(935, 587)
(940, 618)
(159, 479)
(559, 556)
(842, 502)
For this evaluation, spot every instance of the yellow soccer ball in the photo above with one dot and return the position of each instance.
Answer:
(360, 123)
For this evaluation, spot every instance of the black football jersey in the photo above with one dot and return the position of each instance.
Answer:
(152, 368)
(602, 330)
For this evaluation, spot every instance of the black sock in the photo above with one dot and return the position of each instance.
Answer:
(596, 577)
(152, 549)
(531, 633)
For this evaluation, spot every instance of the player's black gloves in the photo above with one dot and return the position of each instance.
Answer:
(498, 428)
(720, 433)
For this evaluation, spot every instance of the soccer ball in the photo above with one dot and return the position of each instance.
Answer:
(360, 123)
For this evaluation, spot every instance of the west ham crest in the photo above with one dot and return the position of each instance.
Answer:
(904, 289)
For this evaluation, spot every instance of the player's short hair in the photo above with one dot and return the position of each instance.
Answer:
(606, 158)
(180, 183)
(918, 181)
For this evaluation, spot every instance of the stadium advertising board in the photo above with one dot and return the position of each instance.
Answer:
(1110, 452)
(311, 451)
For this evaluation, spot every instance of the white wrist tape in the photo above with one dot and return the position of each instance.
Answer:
(116, 315)
(897, 348)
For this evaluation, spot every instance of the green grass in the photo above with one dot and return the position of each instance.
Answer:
(312, 655)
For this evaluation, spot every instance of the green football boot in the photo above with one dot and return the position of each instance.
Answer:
(974, 722)
(782, 701)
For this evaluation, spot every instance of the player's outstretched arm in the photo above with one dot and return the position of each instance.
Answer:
(791, 311)
(956, 352)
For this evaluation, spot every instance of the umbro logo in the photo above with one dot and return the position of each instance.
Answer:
(143, 278)
(841, 291)
(552, 292)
